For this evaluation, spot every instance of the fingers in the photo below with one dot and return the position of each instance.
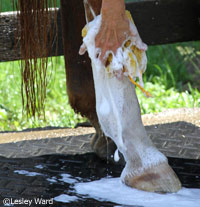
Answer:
(141, 46)
(100, 38)
(82, 49)
(136, 40)
(132, 33)
(144, 47)
(103, 57)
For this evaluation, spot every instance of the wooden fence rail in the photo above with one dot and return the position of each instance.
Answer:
(158, 22)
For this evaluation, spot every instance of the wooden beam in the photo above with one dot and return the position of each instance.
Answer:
(158, 22)
(8, 28)
(10, 41)
(166, 21)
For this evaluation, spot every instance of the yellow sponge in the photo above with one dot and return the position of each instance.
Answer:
(134, 67)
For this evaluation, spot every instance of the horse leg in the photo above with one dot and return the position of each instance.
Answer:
(79, 78)
(146, 168)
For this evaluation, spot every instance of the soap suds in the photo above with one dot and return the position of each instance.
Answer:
(104, 108)
(116, 156)
(27, 173)
(66, 178)
(116, 102)
(63, 198)
(52, 180)
(111, 189)
(39, 166)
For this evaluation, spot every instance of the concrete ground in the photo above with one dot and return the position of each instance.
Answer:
(176, 132)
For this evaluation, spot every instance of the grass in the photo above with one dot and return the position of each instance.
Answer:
(167, 78)
(7, 5)
(58, 111)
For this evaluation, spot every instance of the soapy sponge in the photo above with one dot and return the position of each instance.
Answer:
(134, 60)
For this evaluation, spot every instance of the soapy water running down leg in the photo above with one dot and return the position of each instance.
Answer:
(117, 56)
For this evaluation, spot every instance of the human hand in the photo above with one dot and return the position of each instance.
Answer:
(112, 34)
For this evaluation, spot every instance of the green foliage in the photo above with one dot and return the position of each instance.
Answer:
(167, 98)
(167, 78)
(10, 5)
(58, 111)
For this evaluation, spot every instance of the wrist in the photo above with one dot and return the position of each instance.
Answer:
(112, 8)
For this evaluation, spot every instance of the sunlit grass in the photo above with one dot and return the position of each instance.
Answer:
(167, 98)
(9, 5)
(58, 111)
(167, 78)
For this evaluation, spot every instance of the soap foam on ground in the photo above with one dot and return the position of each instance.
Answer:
(65, 198)
(27, 173)
(66, 178)
(111, 189)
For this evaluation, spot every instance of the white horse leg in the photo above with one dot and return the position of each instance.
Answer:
(120, 118)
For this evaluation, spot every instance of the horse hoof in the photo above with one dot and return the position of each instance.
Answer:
(158, 179)
(105, 148)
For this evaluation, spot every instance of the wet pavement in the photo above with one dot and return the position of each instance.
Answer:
(32, 163)
(51, 176)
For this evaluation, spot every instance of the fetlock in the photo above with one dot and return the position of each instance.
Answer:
(104, 146)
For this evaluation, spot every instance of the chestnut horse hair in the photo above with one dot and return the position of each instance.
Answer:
(36, 33)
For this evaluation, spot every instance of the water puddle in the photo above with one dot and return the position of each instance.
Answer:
(65, 198)
(111, 189)
(27, 173)
(85, 180)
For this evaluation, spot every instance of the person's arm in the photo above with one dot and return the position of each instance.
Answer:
(114, 28)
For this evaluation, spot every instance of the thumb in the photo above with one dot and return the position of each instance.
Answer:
(82, 49)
